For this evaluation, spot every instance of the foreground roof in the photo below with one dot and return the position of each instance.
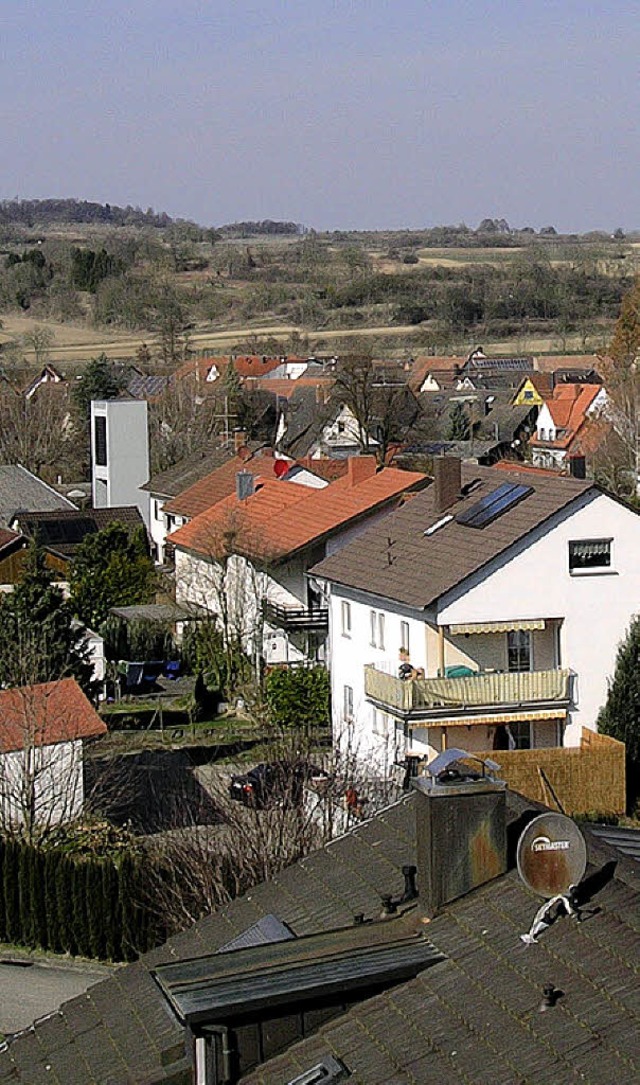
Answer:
(20, 490)
(396, 560)
(471, 1019)
(280, 517)
(45, 714)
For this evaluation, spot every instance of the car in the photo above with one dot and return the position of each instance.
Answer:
(272, 783)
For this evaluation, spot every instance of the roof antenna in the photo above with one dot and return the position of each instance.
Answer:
(552, 859)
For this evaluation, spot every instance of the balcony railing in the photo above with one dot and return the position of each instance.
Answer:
(433, 696)
(290, 617)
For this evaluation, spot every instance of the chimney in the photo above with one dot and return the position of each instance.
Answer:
(239, 439)
(461, 832)
(244, 485)
(360, 468)
(319, 394)
(447, 481)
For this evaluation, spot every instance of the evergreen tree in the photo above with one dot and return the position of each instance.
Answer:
(620, 716)
(39, 639)
(459, 425)
(111, 568)
(100, 380)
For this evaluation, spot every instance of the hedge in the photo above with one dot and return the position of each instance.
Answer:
(86, 907)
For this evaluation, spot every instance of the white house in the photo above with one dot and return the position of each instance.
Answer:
(245, 558)
(42, 732)
(561, 420)
(509, 600)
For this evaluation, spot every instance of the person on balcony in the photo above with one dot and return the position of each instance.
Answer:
(406, 670)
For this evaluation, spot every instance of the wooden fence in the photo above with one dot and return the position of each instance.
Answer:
(584, 779)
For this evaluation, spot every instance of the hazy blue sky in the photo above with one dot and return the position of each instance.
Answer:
(353, 113)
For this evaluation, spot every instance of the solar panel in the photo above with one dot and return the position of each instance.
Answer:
(494, 504)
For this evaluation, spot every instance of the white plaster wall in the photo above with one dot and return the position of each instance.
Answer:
(596, 608)
(350, 654)
(157, 525)
(57, 772)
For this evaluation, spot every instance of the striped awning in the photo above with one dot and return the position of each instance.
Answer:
(500, 717)
(497, 627)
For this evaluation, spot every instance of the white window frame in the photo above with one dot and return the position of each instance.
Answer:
(405, 637)
(381, 723)
(376, 622)
(347, 703)
(345, 613)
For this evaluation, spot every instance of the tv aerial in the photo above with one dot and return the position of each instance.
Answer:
(552, 859)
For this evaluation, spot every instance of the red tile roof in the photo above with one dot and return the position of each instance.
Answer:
(218, 484)
(281, 517)
(46, 714)
(245, 365)
(7, 537)
(550, 362)
(568, 408)
(324, 467)
(515, 467)
(446, 365)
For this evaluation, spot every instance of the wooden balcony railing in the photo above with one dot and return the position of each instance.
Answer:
(423, 695)
(290, 617)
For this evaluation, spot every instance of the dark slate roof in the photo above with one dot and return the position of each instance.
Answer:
(190, 470)
(396, 560)
(64, 530)
(142, 386)
(472, 1019)
(19, 489)
(306, 419)
(621, 837)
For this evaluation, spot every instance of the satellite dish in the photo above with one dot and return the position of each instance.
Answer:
(280, 468)
(552, 855)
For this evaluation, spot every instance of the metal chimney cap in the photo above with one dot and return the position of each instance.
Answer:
(443, 779)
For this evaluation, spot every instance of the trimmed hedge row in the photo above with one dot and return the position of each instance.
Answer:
(85, 907)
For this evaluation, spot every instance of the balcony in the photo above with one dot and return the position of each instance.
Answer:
(292, 618)
(438, 698)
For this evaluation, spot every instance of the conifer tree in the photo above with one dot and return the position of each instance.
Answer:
(39, 640)
(620, 716)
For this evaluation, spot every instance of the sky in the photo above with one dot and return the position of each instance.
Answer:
(338, 114)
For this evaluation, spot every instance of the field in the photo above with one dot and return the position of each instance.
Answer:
(301, 294)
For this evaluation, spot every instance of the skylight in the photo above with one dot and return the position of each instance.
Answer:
(495, 504)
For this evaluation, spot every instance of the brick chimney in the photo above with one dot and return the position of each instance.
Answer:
(239, 440)
(360, 468)
(447, 481)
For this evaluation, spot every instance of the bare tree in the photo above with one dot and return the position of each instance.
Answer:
(321, 794)
(39, 341)
(35, 432)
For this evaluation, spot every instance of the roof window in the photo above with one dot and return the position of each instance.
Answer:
(495, 504)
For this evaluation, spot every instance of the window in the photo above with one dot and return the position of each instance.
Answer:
(100, 440)
(157, 507)
(346, 618)
(404, 636)
(520, 734)
(588, 555)
(519, 650)
(347, 703)
(380, 723)
(377, 628)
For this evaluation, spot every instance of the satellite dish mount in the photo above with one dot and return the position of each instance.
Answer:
(552, 859)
